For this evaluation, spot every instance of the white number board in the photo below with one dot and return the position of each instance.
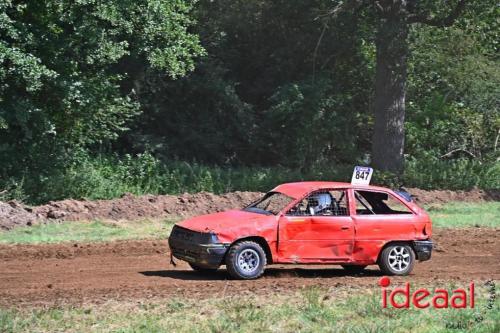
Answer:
(361, 175)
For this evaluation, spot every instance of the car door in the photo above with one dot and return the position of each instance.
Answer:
(310, 234)
(378, 217)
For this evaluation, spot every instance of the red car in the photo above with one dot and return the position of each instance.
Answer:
(309, 223)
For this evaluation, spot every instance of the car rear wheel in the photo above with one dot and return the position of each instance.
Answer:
(397, 259)
(354, 269)
(246, 260)
(203, 269)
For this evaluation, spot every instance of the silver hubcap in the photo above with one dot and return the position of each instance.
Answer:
(399, 258)
(248, 260)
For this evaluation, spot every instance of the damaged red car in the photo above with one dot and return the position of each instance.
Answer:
(309, 223)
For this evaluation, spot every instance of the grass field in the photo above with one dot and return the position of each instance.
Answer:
(310, 310)
(451, 215)
(94, 231)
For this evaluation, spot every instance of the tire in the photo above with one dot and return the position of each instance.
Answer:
(354, 269)
(246, 260)
(202, 269)
(397, 259)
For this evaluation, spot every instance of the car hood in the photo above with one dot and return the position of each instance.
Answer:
(230, 224)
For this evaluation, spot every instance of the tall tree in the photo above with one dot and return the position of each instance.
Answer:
(63, 66)
(391, 41)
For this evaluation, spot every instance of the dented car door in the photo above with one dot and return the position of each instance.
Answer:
(324, 236)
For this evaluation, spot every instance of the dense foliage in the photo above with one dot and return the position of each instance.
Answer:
(69, 73)
(101, 98)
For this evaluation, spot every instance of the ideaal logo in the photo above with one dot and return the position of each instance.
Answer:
(423, 298)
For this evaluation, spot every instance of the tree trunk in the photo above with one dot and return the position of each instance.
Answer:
(390, 87)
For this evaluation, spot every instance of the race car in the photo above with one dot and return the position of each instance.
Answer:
(330, 223)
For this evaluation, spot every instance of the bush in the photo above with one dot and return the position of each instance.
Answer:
(107, 177)
(460, 174)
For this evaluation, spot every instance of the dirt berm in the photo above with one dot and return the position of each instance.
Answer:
(128, 207)
(131, 207)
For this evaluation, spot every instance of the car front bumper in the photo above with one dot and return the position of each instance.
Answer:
(423, 249)
(199, 248)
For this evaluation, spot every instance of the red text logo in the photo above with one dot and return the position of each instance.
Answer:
(422, 298)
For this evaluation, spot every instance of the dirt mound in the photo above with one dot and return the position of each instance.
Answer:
(131, 207)
(442, 196)
(13, 214)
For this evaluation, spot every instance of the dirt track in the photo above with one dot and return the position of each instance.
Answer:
(80, 273)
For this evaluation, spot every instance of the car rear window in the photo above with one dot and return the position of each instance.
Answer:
(368, 203)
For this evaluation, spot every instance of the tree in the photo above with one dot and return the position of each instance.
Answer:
(63, 70)
(391, 41)
(453, 89)
(262, 96)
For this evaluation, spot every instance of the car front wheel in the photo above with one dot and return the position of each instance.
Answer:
(397, 259)
(246, 260)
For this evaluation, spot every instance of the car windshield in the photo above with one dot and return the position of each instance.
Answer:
(271, 203)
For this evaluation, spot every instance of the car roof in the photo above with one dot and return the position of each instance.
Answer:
(299, 189)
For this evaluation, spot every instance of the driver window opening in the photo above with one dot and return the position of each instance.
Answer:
(370, 203)
(322, 203)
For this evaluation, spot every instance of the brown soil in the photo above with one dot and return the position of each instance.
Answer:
(131, 207)
(14, 214)
(128, 208)
(140, 270)
(424, 197)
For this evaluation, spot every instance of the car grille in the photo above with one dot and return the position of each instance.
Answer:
(183, 235)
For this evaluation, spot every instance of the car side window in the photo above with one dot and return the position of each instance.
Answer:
(322, 203)
(368, 203)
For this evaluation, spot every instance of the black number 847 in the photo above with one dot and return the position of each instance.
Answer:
(361, 175)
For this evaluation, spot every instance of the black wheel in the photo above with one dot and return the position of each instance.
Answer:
(397, 259)
(202, 269)
(354, 269)
(246, 260)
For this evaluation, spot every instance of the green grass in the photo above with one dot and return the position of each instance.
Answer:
(456, 215)
(95, 231)
(309, 310)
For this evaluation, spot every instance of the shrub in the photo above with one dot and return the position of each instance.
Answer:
(110, 176)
